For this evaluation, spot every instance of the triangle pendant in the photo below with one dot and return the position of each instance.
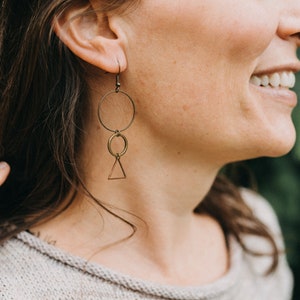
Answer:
(117, 171)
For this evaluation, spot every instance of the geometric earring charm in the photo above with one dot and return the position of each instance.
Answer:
(117, 171)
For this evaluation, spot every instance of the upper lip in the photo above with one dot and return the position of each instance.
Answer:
(288, 67)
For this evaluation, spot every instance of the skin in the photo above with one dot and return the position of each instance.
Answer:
(187, 65)
(4, 171)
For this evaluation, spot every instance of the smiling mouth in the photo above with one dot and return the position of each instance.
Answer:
(286, 79)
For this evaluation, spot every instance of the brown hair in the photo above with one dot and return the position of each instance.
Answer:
(42, 112)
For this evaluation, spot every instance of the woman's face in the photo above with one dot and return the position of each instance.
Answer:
(197, 68)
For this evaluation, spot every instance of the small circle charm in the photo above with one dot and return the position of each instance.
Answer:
(109, 144)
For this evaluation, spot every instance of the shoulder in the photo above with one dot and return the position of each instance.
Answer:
(26, 271)
(14, 265)
(262, 209)
(33, 269)
(281, 280)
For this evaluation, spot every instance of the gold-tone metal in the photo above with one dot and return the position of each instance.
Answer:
(117, 162)
(116, 132)
(109, 144)
(99, 110)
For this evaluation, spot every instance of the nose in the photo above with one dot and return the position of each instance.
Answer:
(289, 26)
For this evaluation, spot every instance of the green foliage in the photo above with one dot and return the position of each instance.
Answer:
(278, 180)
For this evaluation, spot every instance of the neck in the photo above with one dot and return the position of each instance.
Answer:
(158, 196)
(159, 185)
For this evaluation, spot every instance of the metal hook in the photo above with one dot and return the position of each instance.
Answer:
(118, 84)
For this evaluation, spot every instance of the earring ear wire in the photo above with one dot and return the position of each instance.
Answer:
(118, 84)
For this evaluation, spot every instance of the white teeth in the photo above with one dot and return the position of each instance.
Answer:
(275, 80)
(292, 79)
(283, 79)
(265, 80)
(255, 80)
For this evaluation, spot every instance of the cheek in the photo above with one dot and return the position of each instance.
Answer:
(245, 38)
(198, 60)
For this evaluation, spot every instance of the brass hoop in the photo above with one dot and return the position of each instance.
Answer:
(109, 144)
(99, 109)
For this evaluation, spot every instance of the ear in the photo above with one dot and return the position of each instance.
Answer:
(92, 36)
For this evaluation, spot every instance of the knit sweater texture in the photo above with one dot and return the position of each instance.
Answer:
(31, 269)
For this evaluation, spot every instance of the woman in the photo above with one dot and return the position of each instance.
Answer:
(116, 118)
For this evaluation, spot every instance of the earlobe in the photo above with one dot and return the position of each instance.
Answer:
(88, 35)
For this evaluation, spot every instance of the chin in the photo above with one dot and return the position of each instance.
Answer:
(279, 146)
(268, 146)
(278, 137)
(280, 151)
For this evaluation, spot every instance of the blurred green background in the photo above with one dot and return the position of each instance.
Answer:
(278, 179)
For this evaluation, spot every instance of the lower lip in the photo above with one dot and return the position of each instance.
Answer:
(283, 95)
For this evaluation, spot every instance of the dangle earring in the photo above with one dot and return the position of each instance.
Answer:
(117, 133)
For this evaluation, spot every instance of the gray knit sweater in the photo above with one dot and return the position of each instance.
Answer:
(31, 269)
